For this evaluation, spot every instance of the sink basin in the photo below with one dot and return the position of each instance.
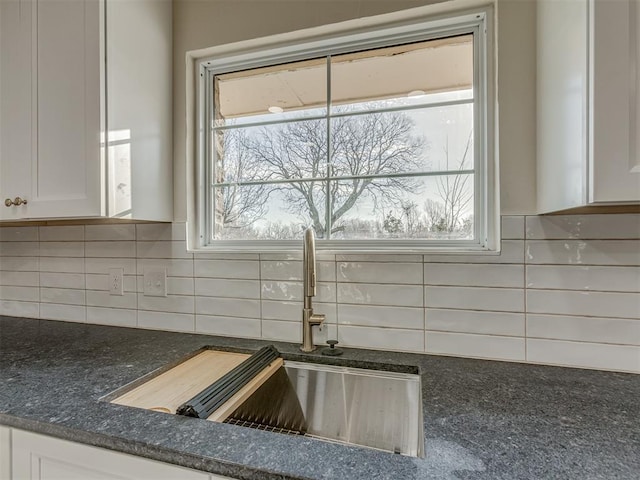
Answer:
(372, 408)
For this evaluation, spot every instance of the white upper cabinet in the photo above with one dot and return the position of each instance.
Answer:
(588, 103)
(85, 109)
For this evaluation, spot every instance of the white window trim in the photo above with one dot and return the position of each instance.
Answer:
(308, 43)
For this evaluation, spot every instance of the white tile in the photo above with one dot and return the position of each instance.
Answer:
(472, 321)
(94, 281)
(178, 231)
(19, 234)
(101, 298)
(369, 272)
(583, 252)
(511, 251)
(242, 269)
(291, 270)
(20, 264)
(20, 309)
(179, 322)
(20, 279)
(475, 298)
(225, 256)
(296, 255)
(292, 311)
(228, 326)
(476, 275)
(381, 338)
(62, 280)
(373, 316)
(322, 333)
(370, 294)
(62, 249)
(63, 296)
(228, 307)
(175, 268)
(162, 249)
(19, 249)
(62, 233)
(375, 257)
(115, 249)
(280, 290)
(117, 317)
(24, 294)
(109, 232)
(281, 310)
(215, 287)
(171, 303)
(282, 331)
(584, 329)
(102, 265)
(512, 227)
(607, 226)
(67, 313)
(178, 285)
(594, 304)
(478, 346)
(154, 232)
(592, 277)
(586, 355)
(62, 265)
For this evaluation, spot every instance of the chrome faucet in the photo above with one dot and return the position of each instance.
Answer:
(309, 319)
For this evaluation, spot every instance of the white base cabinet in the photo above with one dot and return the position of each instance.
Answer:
(39, 457)
(85, 109)
(5, 453)
(588, 95)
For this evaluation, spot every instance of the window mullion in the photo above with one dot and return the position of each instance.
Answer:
(328, 205)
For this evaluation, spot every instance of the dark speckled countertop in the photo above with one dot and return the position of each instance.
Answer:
(482, 419)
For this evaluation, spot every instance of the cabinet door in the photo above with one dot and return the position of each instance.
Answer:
(614, 156)
(5, 453)
(17, 104)
(66, 170)
(37, 457)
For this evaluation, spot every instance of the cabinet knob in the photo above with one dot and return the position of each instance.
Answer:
(16, 201)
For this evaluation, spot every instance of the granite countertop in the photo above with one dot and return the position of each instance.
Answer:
(482, 419)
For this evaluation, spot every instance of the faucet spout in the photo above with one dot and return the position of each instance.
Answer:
(309, 319)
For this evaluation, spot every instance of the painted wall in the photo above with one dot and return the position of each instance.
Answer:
(205, 23)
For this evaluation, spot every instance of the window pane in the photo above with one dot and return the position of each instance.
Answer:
(387, 143)
(434, 208)
(269, 211)
(403, 75)
(285, 151)
(293, 90)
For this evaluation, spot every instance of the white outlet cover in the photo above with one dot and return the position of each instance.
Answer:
(155, 283)
(116, 280)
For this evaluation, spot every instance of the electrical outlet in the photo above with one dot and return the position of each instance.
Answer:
(155, 283)
(116, 281)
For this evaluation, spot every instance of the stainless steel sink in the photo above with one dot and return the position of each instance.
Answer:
(371, 408)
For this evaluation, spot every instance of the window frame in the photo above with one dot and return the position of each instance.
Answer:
(486, 217)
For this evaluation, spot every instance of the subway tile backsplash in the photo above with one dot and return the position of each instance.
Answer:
(565, 290)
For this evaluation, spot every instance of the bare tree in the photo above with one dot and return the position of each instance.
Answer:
(447, 215)
(362, 145)
(239, 205)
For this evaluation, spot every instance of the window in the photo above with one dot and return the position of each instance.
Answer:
(378, 140)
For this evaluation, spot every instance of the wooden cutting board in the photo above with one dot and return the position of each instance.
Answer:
(167, 391)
